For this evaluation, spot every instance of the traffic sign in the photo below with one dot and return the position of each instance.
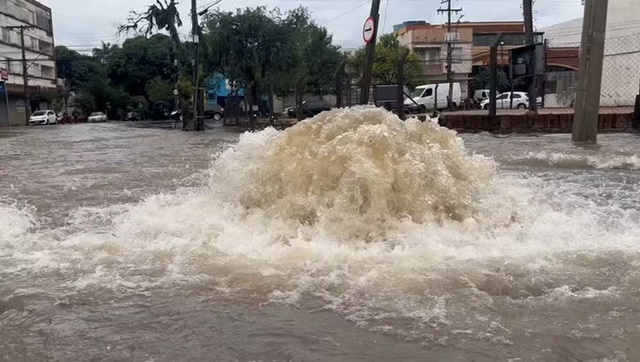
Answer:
(368, 30)
(4, 74)
(3, 87)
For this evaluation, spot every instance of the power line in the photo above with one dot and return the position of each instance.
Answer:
(347, 12)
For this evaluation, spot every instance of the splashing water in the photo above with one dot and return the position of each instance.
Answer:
(464, 252)
(355, 172)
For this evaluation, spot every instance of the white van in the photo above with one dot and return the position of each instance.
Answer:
(427, 96)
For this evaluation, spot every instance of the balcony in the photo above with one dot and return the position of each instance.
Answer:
(432, 67)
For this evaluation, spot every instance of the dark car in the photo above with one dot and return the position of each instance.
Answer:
(310, 108)
(215, 112)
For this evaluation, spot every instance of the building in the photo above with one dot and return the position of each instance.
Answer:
(36, 22)
(429, 42)
(621, 70)
(471, 51)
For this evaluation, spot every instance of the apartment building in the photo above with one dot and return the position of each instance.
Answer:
(471, 46)
(429, 42)
(28, 22)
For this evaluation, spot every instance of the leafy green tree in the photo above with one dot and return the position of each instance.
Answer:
(385, 69)
(141, 60)
(76, 69)
(103, 53)
(267, 51)
(159, 90)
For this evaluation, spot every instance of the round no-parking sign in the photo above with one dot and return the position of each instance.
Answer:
(368, 30)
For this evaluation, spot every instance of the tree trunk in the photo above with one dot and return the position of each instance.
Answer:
(299, 96)
(270, 100)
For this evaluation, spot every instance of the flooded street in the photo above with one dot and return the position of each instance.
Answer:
(354, 238)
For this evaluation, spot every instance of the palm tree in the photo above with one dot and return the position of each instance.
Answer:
(163, 16)
(103, 53)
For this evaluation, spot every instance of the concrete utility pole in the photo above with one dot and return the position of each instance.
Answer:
(527, 6)
(25, 68)
(370, 56)
(196, 76)
(587, 106)
(450, 46)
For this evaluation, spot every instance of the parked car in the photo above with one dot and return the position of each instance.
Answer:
(310, 108)
(215, 112)
(97, 117)
(43, 117)
(509, 100)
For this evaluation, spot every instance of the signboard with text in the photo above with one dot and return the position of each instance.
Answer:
(4, 74)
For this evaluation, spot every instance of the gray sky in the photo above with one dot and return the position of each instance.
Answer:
(82, 26)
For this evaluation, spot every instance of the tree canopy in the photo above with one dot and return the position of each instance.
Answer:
(385, 69)
(263, 47)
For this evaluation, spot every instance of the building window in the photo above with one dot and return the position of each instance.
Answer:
(429, 56)
(43, 21)
(6, 35)
(457, 55)
(15, 67)
(48, 72)
(35, 44)
(3, 5)
(45, 47)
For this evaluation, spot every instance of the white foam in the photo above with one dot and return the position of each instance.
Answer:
(502, 235)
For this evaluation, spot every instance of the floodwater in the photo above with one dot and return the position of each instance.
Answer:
(353, 237)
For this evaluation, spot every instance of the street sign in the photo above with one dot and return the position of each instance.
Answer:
(3, 88)
(175, 92)
(368, 30)
(4, 74)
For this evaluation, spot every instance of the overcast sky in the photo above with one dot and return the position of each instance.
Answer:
(82, 26)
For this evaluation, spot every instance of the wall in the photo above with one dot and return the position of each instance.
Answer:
(16, 112)
(541, 123)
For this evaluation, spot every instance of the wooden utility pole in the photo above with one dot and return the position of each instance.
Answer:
(449, 39)
(527, 6)
(587, 106)
(370, 56)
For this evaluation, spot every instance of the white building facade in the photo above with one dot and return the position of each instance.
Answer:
(621, 71)
(36, 20)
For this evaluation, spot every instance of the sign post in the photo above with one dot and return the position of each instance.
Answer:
(3, 89)
(369, 33)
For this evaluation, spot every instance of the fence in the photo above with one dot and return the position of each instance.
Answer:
(620, 72)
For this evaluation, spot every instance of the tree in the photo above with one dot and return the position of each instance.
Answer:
(483, 80)
(385, 68)
(76, 69)
(102, 54)
(161, 16)
(267, 51)
(141, 60)
(159, 90)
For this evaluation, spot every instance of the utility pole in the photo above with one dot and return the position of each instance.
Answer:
(196, 76)
(527, 7)
(370, 56)
(449, 39)
(587, 106)
(25, 67)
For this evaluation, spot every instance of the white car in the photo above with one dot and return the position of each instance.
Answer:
(509, 100)
(97, 117)
(42, 117)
